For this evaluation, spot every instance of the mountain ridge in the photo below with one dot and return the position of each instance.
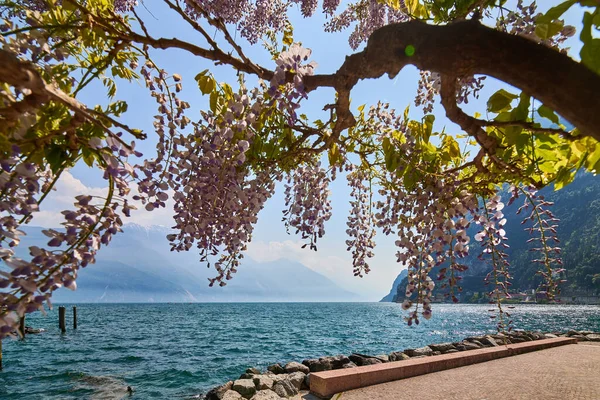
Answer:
(138, 266)
(577, 206)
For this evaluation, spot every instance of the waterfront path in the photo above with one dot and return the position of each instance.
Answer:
(565, 372)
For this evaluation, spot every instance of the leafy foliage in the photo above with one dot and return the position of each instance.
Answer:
(410, 177)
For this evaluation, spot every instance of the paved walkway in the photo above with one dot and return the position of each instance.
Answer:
(570, 372)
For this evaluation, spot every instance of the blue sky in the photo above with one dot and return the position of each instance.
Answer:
(270, 240)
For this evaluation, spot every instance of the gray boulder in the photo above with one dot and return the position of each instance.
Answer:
(383, 357)
(326, 363)
(361, 359)
(266, 395)
(518, 339)
(475, 338)
(349, 365)
(594, 337)
(218, 392)
(580, 338)
(297, 379)
(285, 388)
(421, 351)
(295, 367)
(262, 382)
(253, 371)
(477, 342)
(550, 335)
(245, 387)
(489, 341)
(335, 361)
(537, 335)
(441, 347)
(450, 351)
(276, 369)
(471, 346)
(232, 395)
(316, 365)
(398, 356)
(520, 336)
(307, 381)
(279, 378)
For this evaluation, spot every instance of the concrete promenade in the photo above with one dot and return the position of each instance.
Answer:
(570, 372)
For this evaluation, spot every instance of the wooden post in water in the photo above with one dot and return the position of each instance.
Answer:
(61, 319)
(22, 327)
(74, 317)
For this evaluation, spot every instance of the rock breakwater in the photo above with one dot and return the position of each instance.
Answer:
(284, 381)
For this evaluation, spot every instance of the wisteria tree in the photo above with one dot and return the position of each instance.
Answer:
(409, 178)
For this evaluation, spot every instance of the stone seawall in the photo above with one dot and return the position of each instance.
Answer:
(284, 381)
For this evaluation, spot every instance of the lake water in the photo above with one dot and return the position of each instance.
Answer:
(169, 351)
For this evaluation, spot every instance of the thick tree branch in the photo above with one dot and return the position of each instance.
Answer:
(471, 126)
(530, 126)
(467, 48)
(21, 74)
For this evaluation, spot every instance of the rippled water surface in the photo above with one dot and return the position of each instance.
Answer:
(181, 350)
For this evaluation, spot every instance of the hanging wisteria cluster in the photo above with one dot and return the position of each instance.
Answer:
(429, 219)
(221, 169)
(361, 222)
(308, 204)
(542, 224)
(494, 242)
(522, 21)
(217, 198)
(24, 185)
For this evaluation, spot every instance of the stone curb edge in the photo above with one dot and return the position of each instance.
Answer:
(327, 383)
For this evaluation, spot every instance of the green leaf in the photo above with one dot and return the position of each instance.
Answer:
(386, 144)
(500, 101)
(334, 154)
(547, 30)
(200, 75)
(55, 157)
(563, 178)
(206, 84)
(590, 55)
(555, 12)
(590, 51)
(592, 163)
(547, 113)
(88, 156)
(521, 111)
(215, 102)
(428, 126)
(288, 35)
(410, 180)
(451, 146)
(391, 161)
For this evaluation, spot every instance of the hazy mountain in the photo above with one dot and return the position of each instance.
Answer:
(577, 206)
(390, 296)
(138, 266)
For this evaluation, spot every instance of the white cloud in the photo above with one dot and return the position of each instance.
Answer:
(63, 197)
(333, 261)
(292, 250)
